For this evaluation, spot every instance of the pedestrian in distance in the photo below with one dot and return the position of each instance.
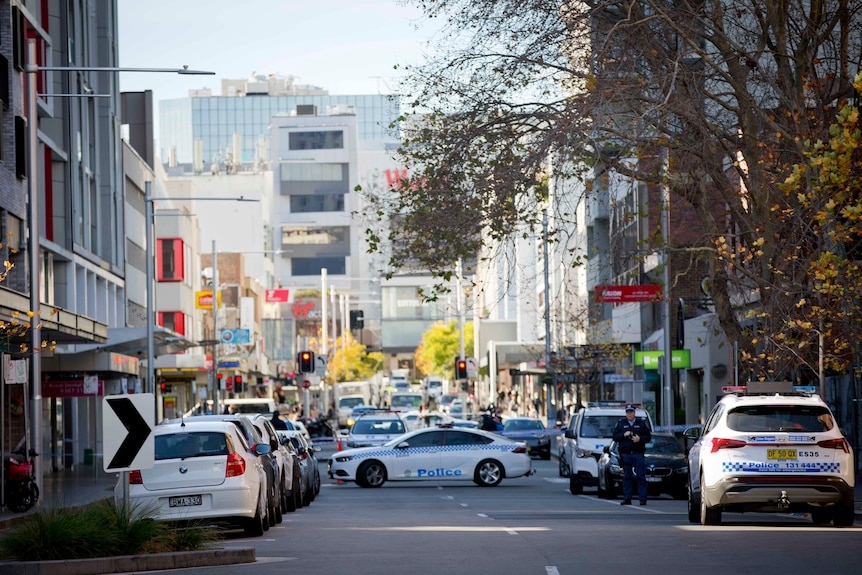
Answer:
(632, 434)
(277, 422)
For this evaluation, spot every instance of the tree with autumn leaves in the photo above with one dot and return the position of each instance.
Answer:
(440, 346)
(740, 97)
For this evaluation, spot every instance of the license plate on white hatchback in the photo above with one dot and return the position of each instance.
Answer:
(186, 501)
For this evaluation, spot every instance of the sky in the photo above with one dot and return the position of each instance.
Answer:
(343, 46)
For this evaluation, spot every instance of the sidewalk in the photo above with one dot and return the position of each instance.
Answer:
(69, 488)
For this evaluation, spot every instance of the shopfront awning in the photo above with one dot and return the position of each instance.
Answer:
(133, 341)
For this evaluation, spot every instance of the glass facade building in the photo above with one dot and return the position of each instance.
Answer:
(216, 120)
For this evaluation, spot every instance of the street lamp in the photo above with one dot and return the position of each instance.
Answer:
(31, 69)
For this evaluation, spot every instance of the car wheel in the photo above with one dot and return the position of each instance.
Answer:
(371, 474)
(279, 503)
(610, 490)
(709, 515)
(564, 467)
(844, 516)
(575, 486)
(489, 473)
(821, 517)
(271, 511)
(316, 484)
(307, 496)
(693, 505)
(284, 498)
(255, 527)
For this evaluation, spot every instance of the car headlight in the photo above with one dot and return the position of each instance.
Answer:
(616, 469)
(682, 470)
(582, 452)
(343, 458)
(543, 440)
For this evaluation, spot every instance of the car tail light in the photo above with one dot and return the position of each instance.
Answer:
(838, 443)
(723, 443)
(235, 465)
(135, 477)
(303, 456)
(520, 449)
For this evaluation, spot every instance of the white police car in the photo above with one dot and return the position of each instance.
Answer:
(770, 449)
(442, 452)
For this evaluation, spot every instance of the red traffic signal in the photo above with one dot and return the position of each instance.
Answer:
(306, 361)
(460, 369)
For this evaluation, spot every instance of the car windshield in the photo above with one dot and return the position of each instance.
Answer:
(194, 444)
(372, 427)
(667, 445)
(350, 402)
(809, 418)
(522, 424)
(262, 407)
(406, 401)
(599, 425)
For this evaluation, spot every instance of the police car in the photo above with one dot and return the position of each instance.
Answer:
(767, 448)
(442, 452)
(375, 428)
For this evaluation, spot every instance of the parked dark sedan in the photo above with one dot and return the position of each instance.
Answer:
(667, 468)
(530, 431)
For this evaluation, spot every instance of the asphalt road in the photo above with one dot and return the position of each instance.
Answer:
(531, 526)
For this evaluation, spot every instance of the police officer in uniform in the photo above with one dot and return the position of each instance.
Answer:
(632, 434)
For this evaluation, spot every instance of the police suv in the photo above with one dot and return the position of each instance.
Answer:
(768, 448)
(588, 432)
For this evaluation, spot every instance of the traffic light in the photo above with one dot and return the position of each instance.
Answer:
(357, 319)
(237, 384)
(460, 368)
(306, 361)
(219, 381)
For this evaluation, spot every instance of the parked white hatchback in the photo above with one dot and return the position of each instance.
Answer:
(203, 470)
(770, 449)
(438, 453)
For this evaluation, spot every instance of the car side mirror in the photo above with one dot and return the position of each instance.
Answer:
(692, 433)
(343, 432)
(402, 445)
(570, 434)
(261, 449)
(606, 449)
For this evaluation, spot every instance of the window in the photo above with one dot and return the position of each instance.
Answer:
(173, 320)
(319, 140)
(293, 236)
(307, 203)
(427, 439)
(312, 266)
(312, 172)
(170, 253)
(465, 438)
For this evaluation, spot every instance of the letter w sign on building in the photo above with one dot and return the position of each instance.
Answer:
(127, 428)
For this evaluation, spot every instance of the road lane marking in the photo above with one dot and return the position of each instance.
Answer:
(464, 505)
(551, 570)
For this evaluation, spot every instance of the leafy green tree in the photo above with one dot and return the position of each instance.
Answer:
(440, 346)
(349, 361)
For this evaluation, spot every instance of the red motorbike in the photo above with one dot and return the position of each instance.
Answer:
(20, 492)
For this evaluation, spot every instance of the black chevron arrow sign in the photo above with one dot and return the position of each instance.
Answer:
(137, 432)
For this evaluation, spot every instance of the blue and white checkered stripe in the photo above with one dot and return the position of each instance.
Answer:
(759, 467)
(439, 449)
